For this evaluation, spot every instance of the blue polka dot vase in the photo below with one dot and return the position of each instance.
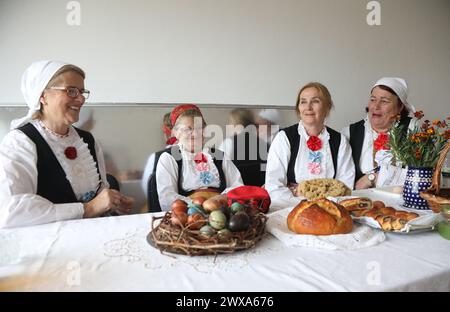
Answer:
(418, 179)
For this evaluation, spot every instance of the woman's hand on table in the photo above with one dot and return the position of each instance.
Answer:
(108, 199)
(365, 183)
(125, 206)
(293, 187)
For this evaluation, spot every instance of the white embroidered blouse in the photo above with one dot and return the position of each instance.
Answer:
(194, 176)
(19, 203)
(388, 174)
(308, 165)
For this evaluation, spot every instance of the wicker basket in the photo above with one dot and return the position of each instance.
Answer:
(438, 198)
(181, 240)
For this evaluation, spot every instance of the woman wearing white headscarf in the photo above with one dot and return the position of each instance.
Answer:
(368, 137)
(49, 170)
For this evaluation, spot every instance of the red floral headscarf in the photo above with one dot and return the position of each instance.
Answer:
(177, 112)
(180, 109)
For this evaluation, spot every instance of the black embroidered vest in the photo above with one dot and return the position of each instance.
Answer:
(152, 188)
(52, 183)
(357, 133)
(294, 140)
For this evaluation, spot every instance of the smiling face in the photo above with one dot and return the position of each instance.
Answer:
(189, 132)
(59, 109)
(311, 107)
(383, 105)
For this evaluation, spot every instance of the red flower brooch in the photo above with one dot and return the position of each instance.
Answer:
(71, 152)
(381, 142)
(200, 158)
(314, 143)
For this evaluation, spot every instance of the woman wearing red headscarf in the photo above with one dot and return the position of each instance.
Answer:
(189, 166)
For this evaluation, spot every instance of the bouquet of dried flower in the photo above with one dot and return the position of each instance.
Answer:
(421, 145)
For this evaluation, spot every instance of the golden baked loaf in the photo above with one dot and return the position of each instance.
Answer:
(358, 203)
(205, 193)
(406, 215)
(320, 188)
(372, 213)
(390, 219)
(319, 217)
(378, 204)
(389, 211)
(391, 223)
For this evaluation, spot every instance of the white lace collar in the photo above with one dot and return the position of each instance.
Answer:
(190, 156)
(81, 172)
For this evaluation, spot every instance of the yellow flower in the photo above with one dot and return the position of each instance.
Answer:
(415, 138)
(436, 122)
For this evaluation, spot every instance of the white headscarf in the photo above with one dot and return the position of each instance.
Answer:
(272, 115)
(34, 80)
(399, 86)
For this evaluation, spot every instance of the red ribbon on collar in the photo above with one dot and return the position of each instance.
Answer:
(314, 143)
(200, 158)
(381, 142)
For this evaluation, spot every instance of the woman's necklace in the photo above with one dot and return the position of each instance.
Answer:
(61, 136)
(70, 152)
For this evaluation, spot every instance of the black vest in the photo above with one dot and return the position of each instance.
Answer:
(52, 183)
(152, 188)
(357, 132)
(294, 140)
(249, 161)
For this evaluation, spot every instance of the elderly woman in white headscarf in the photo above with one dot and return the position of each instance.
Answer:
(50, 170)
(369, 136)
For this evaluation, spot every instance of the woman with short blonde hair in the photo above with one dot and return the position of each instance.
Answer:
(308, 149)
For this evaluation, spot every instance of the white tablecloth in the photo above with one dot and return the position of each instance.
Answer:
(111, 254)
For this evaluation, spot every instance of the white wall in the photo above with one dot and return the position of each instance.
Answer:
(234, 51)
